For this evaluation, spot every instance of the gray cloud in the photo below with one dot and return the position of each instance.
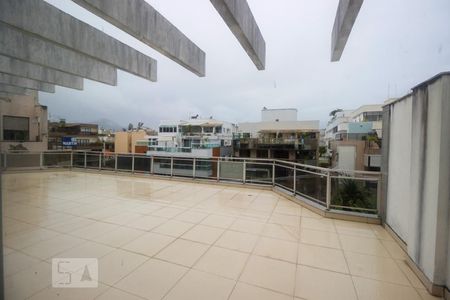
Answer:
(393, 46)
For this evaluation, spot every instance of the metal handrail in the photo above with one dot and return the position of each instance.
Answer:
(211, 168)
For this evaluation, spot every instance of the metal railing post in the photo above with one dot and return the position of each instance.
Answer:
(99, 161)
(152, 165)
(273, 173)
(218, 169)
(71, 159)
(41, 160)
(379, 196)
(193, 167)
(5, 160)
(244, 171)
(115, 162)
(132, 163)
(294, 185)
(328, 199)
(171, 166)
(85, 160)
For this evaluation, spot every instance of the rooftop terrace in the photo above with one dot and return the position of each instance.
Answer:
(168, 239)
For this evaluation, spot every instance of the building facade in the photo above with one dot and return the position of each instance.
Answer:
(278, 135)
(77, 136)
(193, 138)
(128, 141)
(23, 123)
(353, 138)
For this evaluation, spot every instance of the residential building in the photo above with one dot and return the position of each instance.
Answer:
(278, 135)
(195, 137)
(354, 138)
(23, 123)
(127, 141)
(77, 136)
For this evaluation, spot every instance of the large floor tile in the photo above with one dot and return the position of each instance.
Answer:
(153, 279)
(322, 258)
(17, 261)
(277, 249)
(183, 252)
(116, 294)
(368, 289)
(244, 225)
(318, 224)
(146, 222)
(223, 262)
(27, 282)
(244, 291)
(51, 247)
(268, 273)
(281, 232)
(203, 234)
(117, 264)
(320, 238)
(363, 245)
(149, 243)
(312, 283)
(196, 285)
(218, 221)
(237, 241)
(51, 293)
(379, 268)
(120, 236)
(173, 228)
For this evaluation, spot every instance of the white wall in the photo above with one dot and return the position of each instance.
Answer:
(399, 167)
(418, 190)
(272, 115)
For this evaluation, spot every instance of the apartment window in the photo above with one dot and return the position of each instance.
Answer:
(372, 116)
(16, 128)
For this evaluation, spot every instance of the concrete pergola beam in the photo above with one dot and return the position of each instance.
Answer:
(142, 21)
(239, 18)
(31, 71)
(18, 44)
(48, 22)
(14, 89)
(26, 83)
(346, 14)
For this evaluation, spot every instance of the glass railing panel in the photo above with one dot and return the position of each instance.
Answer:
(93, 160)
(311, 185)
(78, 160)
(55, 159)
(258, 172)
(109, 161)
(124, 163)
(354, 194)
(183, 167)
(23, 160)
(284, 176)
(231, 170)
(142, 164)
(206, 168)
(161, 165)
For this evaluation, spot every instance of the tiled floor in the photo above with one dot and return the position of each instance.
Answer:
(160, 239)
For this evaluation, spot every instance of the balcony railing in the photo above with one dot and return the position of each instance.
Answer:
(350, 192)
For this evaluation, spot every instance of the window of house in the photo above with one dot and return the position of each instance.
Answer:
(16, 128)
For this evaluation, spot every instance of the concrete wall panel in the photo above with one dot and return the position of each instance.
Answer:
(142, 21)
(44, 20)
(24, 69)
(343, 23)
(26, 83)
(17, 44)
(13, 89)
(239, 18)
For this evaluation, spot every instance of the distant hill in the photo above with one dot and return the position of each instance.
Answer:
(108, 124)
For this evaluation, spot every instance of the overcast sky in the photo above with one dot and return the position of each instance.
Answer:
(394, 45)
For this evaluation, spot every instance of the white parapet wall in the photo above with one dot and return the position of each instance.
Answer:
(416, 169)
